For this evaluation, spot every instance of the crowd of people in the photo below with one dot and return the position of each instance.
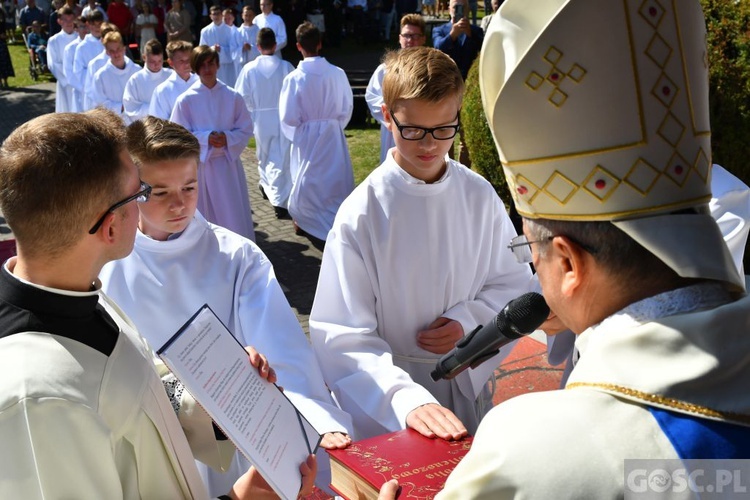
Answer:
(130, 210)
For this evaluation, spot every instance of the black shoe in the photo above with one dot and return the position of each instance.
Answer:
(282, 213)
(262, 193)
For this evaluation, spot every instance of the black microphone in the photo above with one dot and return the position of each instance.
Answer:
(519, 317)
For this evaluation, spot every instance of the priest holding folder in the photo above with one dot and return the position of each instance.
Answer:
(600, 113)
(83, 412)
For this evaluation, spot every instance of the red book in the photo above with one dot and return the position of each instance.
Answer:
(420, 464)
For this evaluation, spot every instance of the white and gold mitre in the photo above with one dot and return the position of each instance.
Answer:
(599, 108)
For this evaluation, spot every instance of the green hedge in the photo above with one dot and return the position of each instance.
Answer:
(728, 22)
(479, 142)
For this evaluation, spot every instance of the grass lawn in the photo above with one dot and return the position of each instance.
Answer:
(20, 59)
(364, 149)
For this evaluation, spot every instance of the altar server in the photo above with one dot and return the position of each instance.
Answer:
(110, 81)
(315, 105)
(160, 287)
(220, 37)
(181, 79)
(217, 115)
(260, 84)
(140, 88)
(55, 58)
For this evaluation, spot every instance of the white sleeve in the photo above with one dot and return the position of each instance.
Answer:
(374, 94)
(357, 363)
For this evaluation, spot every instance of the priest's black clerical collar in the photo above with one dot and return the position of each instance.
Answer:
(45, 301)
(78, 316)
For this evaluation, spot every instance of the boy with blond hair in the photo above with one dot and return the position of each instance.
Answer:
(159, 287)
(167, 92)
(110, 80)
(411, 34)
(415, 260)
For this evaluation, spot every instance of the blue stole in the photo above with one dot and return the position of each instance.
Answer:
(695, 437)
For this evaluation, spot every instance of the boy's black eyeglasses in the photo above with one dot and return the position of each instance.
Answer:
(411, 133)
(141, 196)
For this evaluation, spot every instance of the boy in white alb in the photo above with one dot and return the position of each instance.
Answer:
(260, 84)
(415, 260)
(167, 92)
(55, 53)
(140, 88)
(110, 81)
(236, 45)
(315, 105)
(221, 37)
(247, 36)
(159, 285)
(217, 116)
(90, 97)
(76, 102)
(90, 47)
(267, 19)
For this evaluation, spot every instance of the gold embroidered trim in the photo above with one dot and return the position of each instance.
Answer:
(665, 401)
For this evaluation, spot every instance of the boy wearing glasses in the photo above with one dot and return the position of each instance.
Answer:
(180, 261)
(411, 35)
(415, 260)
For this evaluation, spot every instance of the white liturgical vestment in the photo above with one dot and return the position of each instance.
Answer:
(223, 198)
(374, 98)
(276, 24)
(109, 85)
(249, 35)
(669, 351)
(223, 36)
(86, 50)
(401, 254)
(315, 105)
(260, 84)
(166, 94)
(80, 422)
(69, 53)
(55, 53)
(160, 288)
(139, 90)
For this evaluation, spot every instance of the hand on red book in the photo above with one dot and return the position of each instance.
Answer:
(432, 420)
(389, 491)
(335, 440)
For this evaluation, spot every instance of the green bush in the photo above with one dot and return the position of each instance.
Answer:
(728, 22)
(479, 142)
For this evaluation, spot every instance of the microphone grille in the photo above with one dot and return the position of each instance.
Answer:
(527, 312)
